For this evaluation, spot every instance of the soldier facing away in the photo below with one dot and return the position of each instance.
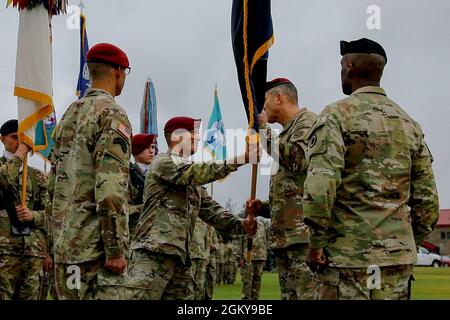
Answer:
(370, 196)
(289, 235)
(23, 238)
(173, 199)
(88, 183)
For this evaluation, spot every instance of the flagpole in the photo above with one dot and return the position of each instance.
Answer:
(24, 181)
(212, 189)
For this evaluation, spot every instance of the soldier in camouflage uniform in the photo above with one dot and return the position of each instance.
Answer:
(173, 199)
(370, 196)
(228, 267)
(22, 254)
(251, 271)
(232, 257)
(88, 182)
(211, 267)
(220, 260)
(289, 235)
(143, 149)
(199, 257)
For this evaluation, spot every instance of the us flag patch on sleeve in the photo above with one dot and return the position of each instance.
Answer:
(124, 130)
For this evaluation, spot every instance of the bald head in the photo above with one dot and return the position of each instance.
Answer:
(361, 69)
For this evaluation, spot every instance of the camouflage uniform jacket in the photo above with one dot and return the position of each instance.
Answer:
(88, 183)
(286, 185)
(136, 194)
(220, 252)
(213, 241)
(200, 241)
(173, 198)
(370, 195)
(261, 241)
(33, 245)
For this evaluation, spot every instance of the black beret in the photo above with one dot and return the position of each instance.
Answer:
(10, 126)
(362, 46)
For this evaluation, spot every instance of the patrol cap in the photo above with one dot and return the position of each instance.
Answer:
(108, 53)
(363, 45)
(277, 82)
(141, 141)
(185, 123)
(10, 126)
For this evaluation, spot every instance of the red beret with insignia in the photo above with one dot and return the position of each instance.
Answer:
(185, 123)
(276, 82)
(108, 53)
(141, 142)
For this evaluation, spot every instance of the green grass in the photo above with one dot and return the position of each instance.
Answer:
(430, 284)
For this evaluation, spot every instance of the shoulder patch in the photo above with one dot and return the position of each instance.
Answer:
(124, 130)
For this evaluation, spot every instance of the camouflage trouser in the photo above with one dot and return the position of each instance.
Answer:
(231, 269)
(48, 287)
(296, 279)
(353, 284)
(21, 277)
(211, 275)
(156, 276)
(198, 270)
(251, 275)
(235, 269)
(219, 278)
(78, 281)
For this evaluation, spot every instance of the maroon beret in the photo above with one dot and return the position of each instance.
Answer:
(108, 53)
(141, 141)
(276, 82)
(185, 123)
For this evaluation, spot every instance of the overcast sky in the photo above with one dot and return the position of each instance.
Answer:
(185, 46)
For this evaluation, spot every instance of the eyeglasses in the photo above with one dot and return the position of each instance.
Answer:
(127, 70)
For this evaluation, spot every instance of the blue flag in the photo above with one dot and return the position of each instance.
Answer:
(215, 139)
(252, 36)
(83, 77)
(149, 124)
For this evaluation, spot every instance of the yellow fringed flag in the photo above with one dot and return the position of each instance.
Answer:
(33, 85)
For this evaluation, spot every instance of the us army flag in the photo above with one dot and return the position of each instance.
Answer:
(33, 85)
(252, 36)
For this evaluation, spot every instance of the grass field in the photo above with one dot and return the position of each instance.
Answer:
(430, 284)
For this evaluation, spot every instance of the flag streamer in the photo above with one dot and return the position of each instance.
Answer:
(149, 123)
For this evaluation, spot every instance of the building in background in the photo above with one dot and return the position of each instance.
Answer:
(440, 237)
